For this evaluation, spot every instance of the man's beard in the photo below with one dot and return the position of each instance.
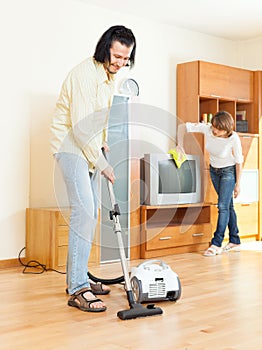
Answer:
(107, 68)
(110, 71)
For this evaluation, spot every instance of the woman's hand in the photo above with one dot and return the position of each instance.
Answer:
(236, 190)
(180, 150)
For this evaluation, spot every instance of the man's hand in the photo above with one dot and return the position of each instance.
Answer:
(106, 147)
(108, 173)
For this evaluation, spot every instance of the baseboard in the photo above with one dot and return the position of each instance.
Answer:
(11, 263)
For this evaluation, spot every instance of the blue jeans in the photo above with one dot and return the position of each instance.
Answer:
(224, 180)
(82, 194)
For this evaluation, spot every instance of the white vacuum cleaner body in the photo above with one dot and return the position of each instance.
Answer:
(154, 280)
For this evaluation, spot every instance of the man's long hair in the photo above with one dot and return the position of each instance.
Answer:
(115, 33)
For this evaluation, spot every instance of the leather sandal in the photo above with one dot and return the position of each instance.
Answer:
(97, 288)
(81, 302)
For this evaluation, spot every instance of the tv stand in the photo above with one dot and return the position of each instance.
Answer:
(174, 229)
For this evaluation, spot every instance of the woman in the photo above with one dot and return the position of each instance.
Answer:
(224, 147)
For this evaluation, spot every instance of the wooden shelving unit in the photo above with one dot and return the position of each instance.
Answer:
(205, 87)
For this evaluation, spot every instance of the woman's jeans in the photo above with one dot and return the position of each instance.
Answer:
(224, 180)
(82, 194)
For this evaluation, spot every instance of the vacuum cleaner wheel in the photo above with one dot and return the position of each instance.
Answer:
(136, 288)
(175, 295)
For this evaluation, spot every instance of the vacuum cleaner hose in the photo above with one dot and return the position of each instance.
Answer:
(107, 281)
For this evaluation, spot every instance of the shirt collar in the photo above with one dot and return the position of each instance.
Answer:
(102, 75)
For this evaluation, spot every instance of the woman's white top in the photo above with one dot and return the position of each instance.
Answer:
(223, 151)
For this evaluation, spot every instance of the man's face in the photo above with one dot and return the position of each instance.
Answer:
(119, 57)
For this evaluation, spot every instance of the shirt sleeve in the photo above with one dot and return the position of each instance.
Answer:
(197, 127)
(88, 124)
(237, 150)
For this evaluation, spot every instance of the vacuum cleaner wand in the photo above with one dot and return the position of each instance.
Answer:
(136, 309)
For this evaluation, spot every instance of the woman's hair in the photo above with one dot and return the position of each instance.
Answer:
(223, 120)
(115, 33)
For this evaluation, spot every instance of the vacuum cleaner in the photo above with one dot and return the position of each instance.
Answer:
(154, 280)
(136, 309)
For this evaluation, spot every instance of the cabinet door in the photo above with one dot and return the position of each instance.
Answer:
(247, 219)
(250, 151)
(224, 81)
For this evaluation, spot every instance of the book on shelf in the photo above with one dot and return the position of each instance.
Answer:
(240, 115)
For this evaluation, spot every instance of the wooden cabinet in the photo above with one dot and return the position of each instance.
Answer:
(250, 150)
(47, 237)
(247, 219)
(224, 82)
(174, 229)
(203, 88)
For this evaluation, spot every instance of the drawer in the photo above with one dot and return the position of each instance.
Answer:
(62, 235)
(174, 236)
(247, 218)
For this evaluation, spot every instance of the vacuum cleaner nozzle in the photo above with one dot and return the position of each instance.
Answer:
(137, 310)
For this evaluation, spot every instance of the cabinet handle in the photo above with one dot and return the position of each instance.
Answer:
(165, 238)
(216, 96)
(197, 234)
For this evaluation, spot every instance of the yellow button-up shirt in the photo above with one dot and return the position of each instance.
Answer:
(81, 114)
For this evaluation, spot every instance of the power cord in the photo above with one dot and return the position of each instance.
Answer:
(34, 264)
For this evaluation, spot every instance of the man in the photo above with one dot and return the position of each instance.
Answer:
(79, 132)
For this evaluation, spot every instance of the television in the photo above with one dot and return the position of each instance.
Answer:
(163, 183)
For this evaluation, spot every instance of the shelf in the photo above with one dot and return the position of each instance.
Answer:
(210, 105)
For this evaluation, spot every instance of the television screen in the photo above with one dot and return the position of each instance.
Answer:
(177, 180)
(163, 183)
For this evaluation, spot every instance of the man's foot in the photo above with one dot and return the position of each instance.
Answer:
(85, 300)
(99, 288)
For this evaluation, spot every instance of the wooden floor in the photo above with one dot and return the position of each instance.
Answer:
(220, 308)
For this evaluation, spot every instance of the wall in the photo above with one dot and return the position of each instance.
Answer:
(42, 41)
(14, 132)
(250, 54)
